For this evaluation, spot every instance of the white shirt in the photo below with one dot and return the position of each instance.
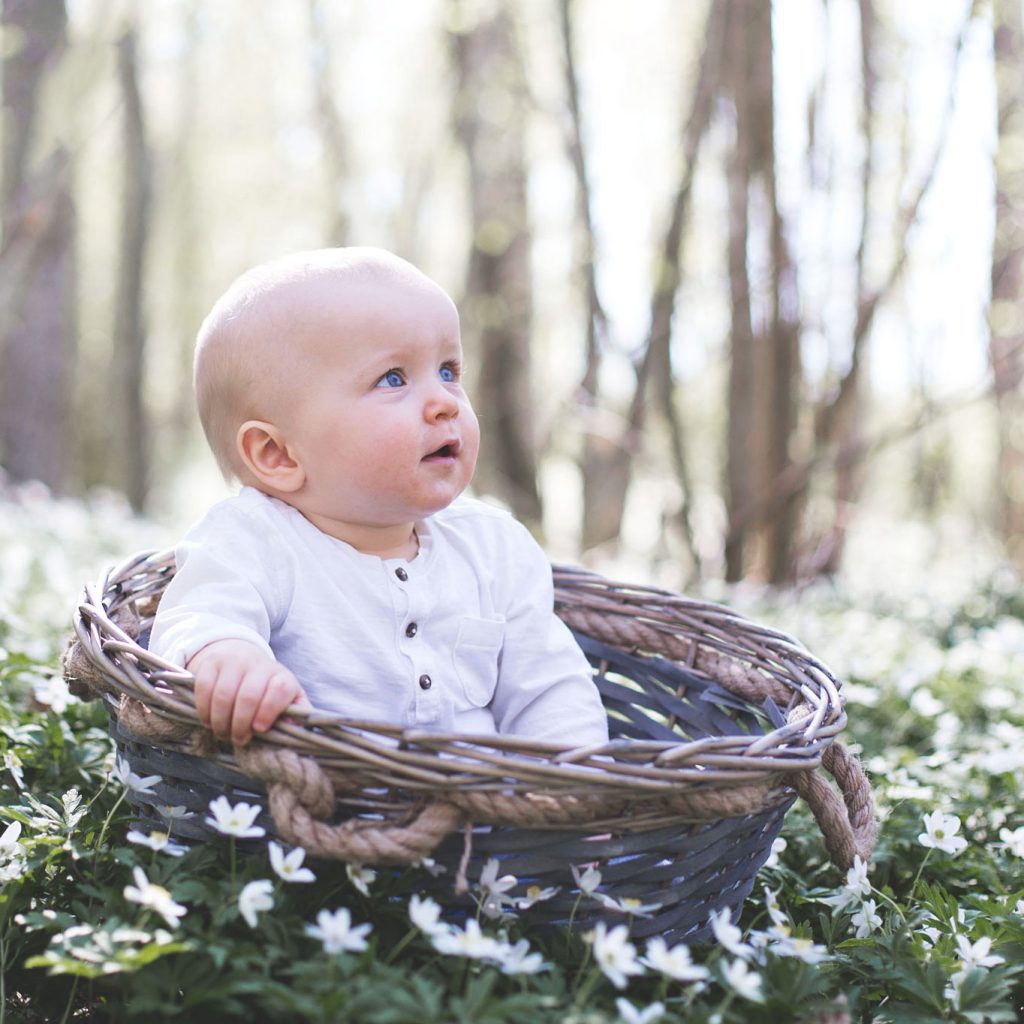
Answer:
(462, 638)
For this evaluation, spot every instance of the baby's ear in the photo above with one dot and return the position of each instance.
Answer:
(265, 453)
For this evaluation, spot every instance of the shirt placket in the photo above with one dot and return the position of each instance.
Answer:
(414, 643)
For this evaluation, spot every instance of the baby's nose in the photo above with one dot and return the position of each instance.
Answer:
(441, 403)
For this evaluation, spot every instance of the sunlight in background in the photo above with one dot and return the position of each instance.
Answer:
(636, 69)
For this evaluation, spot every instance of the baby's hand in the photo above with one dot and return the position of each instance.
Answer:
(240, 690)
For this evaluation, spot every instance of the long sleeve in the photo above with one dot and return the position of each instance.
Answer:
(545, 685)
(229, 585)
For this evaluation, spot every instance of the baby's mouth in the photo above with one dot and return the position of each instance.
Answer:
(447, 451)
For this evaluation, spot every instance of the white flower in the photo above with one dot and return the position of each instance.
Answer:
(976, 954)
(800, 949)
(778, 846)
(335, 931)
(588, 880)
(9, 845)
(431, 866)
(235, 820)
(490, 882)
(154, 897)
(1014, 840)
(941, 833)
(856, 888)
(675, 963)
(53, 693)
(739, 977)
(471, 943)
(289, 868)
(1019, 908)
(13, 764)
(12, 869)
(535, 894)
(254, 898)
(615, 954)
(727, 934)
(631, 1015)
(518, 959)
(159, 841)
(426, 915)
(866, 920)
(775, 912)
(174, 811)
(123, 772)
(857, 877)
(362, 878)
(626, 905)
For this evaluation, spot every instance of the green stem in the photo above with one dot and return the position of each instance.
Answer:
(106, 823)
(3, 974)
(888, 899)
(582, 966)
(572, 917)
(575, 907)
(71, 1000)
(585, 988)
(233, 862)
(406, 939)
(917, 877)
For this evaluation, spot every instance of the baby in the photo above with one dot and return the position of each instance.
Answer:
(348, 574)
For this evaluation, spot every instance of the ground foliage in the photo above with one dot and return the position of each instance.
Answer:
(95, 925)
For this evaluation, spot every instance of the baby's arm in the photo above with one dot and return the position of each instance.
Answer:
(233, 583)
(545, 685)
(240, 689)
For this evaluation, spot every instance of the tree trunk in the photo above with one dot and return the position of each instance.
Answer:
(1006, 318)
(847, 419)
(604, 465)
(497, 310)
(765, 341)
(187, 244)
(332, 130)
(607, 462)
(37, 259)
(741, 428)
(129, 332)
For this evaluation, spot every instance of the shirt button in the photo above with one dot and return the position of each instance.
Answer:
(401, 574)
(425, 682)
(411, 630)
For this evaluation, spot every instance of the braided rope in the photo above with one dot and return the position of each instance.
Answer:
(652, 782)
(301, 797)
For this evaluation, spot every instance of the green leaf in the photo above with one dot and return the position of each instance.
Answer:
(986, 995)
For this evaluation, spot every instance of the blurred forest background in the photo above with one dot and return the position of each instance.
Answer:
(740, 281)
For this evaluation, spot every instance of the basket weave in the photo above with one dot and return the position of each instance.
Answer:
(716, 724)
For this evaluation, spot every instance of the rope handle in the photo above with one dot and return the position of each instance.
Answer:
(847, 825)
(301, 799)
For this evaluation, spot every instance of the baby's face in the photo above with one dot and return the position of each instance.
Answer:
(381, 425)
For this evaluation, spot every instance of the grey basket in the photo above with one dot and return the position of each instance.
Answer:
(717, 724)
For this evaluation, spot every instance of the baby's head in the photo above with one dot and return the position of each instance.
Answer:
(332, 379)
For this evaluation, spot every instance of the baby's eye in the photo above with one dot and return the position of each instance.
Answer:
(391, 379)
(449, 373)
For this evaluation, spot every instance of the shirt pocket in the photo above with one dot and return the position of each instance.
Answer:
(477, 648)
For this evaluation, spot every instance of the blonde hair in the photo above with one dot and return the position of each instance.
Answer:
(245, 333)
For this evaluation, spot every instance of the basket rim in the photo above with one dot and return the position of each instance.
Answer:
(703, 636)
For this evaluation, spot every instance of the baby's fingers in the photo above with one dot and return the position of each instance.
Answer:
(282, 691)
(208, 679)
(223, 697)
(251, 696)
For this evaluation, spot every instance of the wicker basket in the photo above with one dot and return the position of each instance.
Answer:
(716, 723)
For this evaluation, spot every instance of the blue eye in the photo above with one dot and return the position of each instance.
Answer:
(391, 379)
(447, 374)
